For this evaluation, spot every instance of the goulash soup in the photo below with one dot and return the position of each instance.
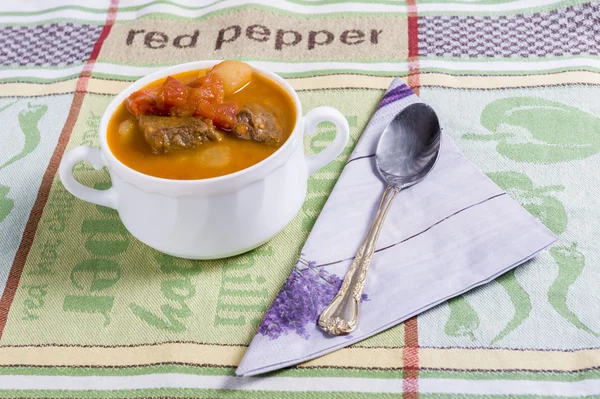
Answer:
(203, 123)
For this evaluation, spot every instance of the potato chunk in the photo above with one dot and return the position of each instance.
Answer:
(127, 128)
(216, 157)
(235, 75)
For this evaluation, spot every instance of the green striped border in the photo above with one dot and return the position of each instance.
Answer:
(194, 393)
(244, 394)
(499, 396)
(22, 79)
(530, 10)
(282, 74)
(49, 67)
(185, 7)
(398, 61)
(53, 21)
(196, 370)
(277, 10)
(508, 73)
(307, 74)
(304, 373)
(507, 59)
(272, 10)
(322, 3)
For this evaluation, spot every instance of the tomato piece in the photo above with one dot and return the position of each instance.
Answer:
(173, 93)
(186, 110)
(195, 97)
(203, 97)
(225, 115)
(209, 88)
(222, 115)
(205, 110)
(143, 102)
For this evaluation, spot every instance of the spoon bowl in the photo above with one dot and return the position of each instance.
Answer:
(409, 146)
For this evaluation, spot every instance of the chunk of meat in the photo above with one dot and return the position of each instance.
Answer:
(170, 133)
(256, 123)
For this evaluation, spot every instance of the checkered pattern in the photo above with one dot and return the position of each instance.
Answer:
(538, 321)
(570, 31)
(47, 45)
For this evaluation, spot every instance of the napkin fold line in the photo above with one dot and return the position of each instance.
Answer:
(416, 234)
(361, 157)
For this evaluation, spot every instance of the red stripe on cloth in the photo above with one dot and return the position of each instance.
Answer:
(44, 190)
(411, 326)
(411, 360)
(413, 47)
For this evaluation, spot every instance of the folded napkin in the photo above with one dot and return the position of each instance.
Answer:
(446, 235)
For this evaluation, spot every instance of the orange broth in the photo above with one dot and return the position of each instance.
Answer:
(189, 164)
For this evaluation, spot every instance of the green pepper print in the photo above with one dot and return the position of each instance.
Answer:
(549, 210)
(530, 129)
(520, 301)
(463, 319)
(7, 106)
(28, 121)
(6, 204)
(321, 184)
(570, 265)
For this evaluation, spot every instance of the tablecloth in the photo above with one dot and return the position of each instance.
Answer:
(88, 311)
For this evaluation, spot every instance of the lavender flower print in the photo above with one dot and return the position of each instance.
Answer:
(301, 300)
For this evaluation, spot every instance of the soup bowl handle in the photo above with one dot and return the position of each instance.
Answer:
(94, 156)
(311, 120)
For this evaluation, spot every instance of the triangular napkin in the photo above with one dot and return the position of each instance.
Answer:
(446, 235)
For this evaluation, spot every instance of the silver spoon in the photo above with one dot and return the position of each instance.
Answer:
(407, 151)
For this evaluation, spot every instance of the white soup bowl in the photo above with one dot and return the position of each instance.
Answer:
(215, 217)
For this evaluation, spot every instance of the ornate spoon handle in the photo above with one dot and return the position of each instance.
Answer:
(341, 316)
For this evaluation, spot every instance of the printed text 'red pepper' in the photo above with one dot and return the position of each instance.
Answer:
(279, 39)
